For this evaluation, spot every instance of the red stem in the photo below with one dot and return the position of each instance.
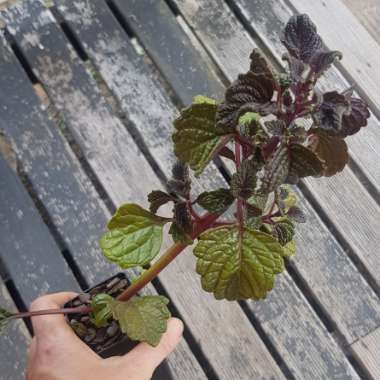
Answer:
(71, 310)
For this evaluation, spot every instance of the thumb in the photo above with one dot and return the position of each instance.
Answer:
(147, 357)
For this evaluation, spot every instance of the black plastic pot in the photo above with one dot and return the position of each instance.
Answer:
(107, 341)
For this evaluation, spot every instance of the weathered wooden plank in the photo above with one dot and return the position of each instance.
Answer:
(301, 339)
(129, 82)
(28, 251)
(341, 30)
(13, 342)
(55, 174)
(66, 192)
(368, 12)
(107, 148)
(157, 29)
(367, 351)
(322, 263)
(358, 220)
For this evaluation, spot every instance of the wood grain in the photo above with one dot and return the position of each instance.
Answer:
(368, 13)
(367, 351)
(167, 43)
(108, 146)
(67, 194)
(13, 343)
(35, 266)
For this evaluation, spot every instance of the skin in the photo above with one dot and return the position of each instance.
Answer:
(56, 353)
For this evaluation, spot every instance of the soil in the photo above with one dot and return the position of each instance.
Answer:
(98, 339)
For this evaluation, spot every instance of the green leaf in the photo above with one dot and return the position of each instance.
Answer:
(284, 231)
(158, 198)
(134, 238)
(201, 99)
(330, 149)
(131, 213)
(258, 201)
(101, 306)
(238, 263)
(243, 182)
(4, 318)
(289, 249)
(196, 140)
(216, 202)
(143, 318)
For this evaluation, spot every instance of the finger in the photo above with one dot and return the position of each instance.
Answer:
(32, 350)
(150, 357)
(45, 324)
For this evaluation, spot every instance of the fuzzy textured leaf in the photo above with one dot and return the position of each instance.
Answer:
(238, 263)
(180, 183)
(276, 169)
(143, 318)
(243, 182)
(331, 111)
(330, 149)
(284, 231)
(323, 59)
(216, 202)
(251, 92)
(134, 238)
(158, 198)
(301, 38)
(303, 162)
(356, 119)
(179, 236)
(196, 140)
(101, 306)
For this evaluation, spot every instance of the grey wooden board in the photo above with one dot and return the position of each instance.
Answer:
(157, 29)
(55, 174)
(67, 194)
(329, 271)
(28, 251)
(124, 183)
(368, 13)
(13, 342)
(268, 19)
(341, 30)
(123, 60)
(367, 351)
(301, 339)
(358, 218)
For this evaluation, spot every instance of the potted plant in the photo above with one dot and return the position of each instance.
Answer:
(274, 129)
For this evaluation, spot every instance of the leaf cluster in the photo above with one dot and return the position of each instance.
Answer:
(260, 126)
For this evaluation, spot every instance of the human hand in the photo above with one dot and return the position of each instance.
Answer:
(56, 353)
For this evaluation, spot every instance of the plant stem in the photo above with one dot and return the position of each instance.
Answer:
(167, 257)
(239, 203)
(71, 310)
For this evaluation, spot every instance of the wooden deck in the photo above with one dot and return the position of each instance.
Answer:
(88, 92)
